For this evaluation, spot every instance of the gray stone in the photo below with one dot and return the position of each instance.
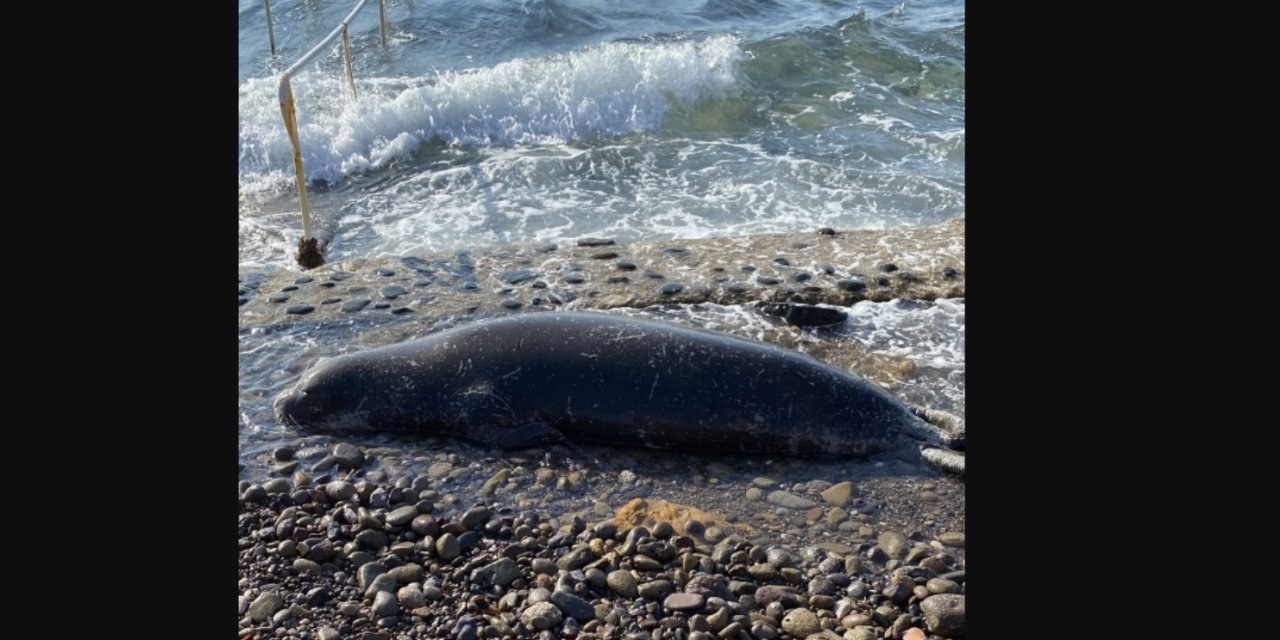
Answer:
(864, 632)
(656, 589)
(411, 597)
(372, 539)
(384, 604)
(543, 566)
(348, 456)
(839, 494)
(353, 306)
(950, 539)
(307, 567)
(265, 606)
(299, 309)
(407, 573)
(790, 500)
(575, 559)
(893, 544)
(622, 583)
(944, 614)
(763, 631)
(448, 547)
(367, 572)
(800, 623)
(474, 517)
(500, 573)
(275, 486)
(402, 516)
(385, 582)
(573, 606)
(541, 616)
(942, 585)
(683, 602)
(327, 633)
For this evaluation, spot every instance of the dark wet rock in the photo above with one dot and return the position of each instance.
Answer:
(625, 265)
(604, 255)
(331, 301)
(944, 614)
(671, 288)
(398, 311)
(683, 602)
(425, 282)
(802, 276)
(372, 539)
(300, 309)
(617, 279)
(303, 280)
(243, 299)
(826, 231)
(736, 288)
(767, 280)
(327, 285)
(887, 267)
(348, 456)
(650, 273)
(511, 304)
(851, 284)
(278, 297)
(339, 276)
(367, 572)
(803, 315)
(882, 281)
(782, 261)
(827, 268)
(573, 278)
(339, 490)
(595, 242)
(382, 305)
(950, 272)
(391, 292)
(355, 305)
(288, 289)
(516, 277)
(402, 515)
(546, 248)
(385, 272)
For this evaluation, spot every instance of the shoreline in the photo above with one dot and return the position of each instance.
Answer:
(827, 267)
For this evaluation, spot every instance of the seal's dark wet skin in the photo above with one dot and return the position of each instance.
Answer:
(543, 378)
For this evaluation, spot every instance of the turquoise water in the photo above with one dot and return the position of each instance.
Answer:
(493, 121)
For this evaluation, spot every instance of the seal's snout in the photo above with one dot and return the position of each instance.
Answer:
(292, 407)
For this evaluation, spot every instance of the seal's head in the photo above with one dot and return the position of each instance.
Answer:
(318, 399)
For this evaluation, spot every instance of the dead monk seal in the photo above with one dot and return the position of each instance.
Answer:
(534, 379)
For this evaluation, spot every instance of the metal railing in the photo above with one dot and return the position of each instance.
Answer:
(309, 254)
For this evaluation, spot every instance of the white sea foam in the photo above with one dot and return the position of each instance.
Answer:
(608, 89)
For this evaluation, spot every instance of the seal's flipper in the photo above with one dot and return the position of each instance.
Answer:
(944, 459)
(951, 424)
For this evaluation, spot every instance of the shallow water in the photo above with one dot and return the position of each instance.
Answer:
(497, 122)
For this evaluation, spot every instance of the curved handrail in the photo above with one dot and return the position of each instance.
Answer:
(289, 112)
